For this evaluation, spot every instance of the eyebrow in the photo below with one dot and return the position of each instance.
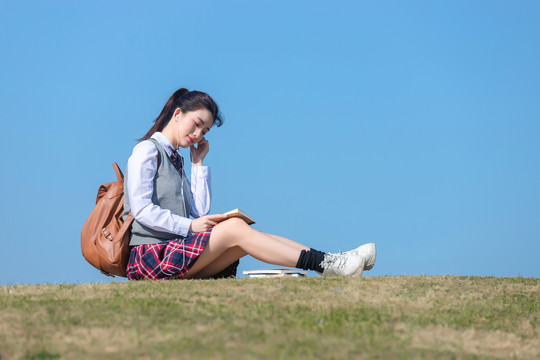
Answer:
(203, 122)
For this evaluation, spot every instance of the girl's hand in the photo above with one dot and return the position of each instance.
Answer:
(205, 222)
(199, 153)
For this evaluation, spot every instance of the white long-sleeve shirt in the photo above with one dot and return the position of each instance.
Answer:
(141, 168)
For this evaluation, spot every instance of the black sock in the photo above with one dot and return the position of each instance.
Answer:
(310, 260)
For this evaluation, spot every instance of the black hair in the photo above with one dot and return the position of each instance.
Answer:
(187, 101)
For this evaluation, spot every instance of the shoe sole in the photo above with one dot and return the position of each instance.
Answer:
(359, 271)
(371, 264)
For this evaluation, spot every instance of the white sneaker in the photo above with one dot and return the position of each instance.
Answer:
(342, 265)
(366, 251)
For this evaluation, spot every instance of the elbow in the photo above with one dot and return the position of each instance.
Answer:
(138, 213)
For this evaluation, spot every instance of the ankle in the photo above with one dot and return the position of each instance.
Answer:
(310, 260)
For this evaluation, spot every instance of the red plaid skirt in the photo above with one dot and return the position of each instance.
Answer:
(167, 260)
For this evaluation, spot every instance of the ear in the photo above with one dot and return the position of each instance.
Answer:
(177, 112)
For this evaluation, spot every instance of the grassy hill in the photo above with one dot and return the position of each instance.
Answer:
(443, 317)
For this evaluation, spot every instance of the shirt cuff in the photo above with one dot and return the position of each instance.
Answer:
(182, 225)
(200, 172)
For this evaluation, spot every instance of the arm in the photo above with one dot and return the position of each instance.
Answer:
(200, 190)
(200, 179)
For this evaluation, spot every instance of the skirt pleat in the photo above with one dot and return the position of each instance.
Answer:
(166, 260)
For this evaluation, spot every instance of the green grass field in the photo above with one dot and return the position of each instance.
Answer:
(403, 317)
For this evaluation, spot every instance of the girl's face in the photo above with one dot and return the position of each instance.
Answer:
(192, 126)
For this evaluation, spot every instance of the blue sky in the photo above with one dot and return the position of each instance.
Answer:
(414, 125)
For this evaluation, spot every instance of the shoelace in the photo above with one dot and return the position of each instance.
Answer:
(338, 259)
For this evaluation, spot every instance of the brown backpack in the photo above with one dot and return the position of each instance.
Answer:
(105, 236)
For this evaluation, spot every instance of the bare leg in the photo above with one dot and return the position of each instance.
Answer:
(233, 254)
(289, 242)
(235, 232)
(224, 260)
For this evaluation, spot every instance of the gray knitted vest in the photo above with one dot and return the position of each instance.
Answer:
(171, 191)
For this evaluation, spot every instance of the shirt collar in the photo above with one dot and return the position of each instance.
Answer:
(164, 142)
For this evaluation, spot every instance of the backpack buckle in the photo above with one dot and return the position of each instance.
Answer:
(105, 232)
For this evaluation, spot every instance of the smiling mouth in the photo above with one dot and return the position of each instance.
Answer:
(190, 139)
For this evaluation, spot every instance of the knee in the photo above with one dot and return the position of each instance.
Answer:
(230, 226)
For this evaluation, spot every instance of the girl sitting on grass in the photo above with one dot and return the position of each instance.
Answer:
(166, 242)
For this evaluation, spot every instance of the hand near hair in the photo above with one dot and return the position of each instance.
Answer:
(205, 222)
(199, 153)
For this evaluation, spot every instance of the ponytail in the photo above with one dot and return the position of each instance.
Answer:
(187, 101)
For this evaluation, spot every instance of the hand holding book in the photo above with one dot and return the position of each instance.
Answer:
(204, 223)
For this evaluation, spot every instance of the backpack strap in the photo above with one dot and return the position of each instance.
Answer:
(118, 172)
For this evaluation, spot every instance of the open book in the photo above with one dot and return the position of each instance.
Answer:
(240, 214)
